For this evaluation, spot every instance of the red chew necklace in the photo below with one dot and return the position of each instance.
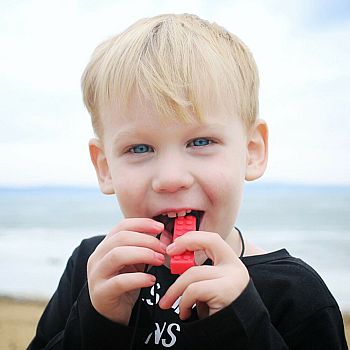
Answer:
(180, 263)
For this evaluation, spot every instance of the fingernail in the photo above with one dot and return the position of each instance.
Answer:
(152, 278)
(162, 303)
(170, 248)
(159, 256)
(159, 225)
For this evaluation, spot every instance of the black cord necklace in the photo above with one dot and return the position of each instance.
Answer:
(242, 242)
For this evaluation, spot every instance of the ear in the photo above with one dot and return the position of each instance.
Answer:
(100, 163)
(257, 151)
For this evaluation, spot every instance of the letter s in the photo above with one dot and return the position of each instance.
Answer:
(172, 335)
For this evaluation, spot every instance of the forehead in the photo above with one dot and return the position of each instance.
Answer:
(142, 113)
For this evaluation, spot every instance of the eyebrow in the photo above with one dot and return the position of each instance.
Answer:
(127, 134)
(137, 132)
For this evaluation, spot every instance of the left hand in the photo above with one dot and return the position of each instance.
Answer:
(211, 288)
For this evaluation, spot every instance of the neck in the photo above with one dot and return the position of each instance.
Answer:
(234, 241)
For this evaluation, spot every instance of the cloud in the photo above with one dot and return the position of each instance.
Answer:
(305, 79)
(302, 58)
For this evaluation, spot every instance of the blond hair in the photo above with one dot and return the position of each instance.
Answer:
(184, 65)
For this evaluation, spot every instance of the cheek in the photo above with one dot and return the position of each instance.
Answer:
(130, 190)
(224, 187)
(226, 178)
(230, 190)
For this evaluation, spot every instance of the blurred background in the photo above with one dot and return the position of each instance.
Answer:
(49, 199)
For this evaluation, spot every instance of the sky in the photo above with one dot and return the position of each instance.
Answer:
(302, 49)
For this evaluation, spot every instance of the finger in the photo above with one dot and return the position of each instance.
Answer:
(202, 291)
(120, 257)
(145, 225)
(127, 282)
(211, 243)
(129, 238)
(192, 275)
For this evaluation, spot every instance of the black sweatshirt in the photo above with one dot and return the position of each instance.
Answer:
(286, 305)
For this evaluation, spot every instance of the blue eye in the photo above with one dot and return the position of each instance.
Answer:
(142, 148)
(200, 142)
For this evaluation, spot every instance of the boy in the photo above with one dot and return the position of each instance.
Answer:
(174, 104)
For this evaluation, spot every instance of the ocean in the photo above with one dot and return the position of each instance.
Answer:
(40, 227)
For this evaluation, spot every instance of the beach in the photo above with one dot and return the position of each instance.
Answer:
(18, 320)
(40, 227)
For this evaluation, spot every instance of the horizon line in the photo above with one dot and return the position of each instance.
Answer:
(258, 184)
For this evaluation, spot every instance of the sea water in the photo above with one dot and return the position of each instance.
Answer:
(40, 227)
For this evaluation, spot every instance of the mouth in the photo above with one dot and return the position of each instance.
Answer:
(168, 219)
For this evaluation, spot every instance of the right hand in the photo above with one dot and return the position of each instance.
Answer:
(115, 269)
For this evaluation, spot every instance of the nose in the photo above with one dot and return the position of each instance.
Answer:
(172, 175)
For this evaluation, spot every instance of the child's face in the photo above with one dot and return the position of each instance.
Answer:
(156, 168)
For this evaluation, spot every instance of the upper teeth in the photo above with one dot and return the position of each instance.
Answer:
(173, 214)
